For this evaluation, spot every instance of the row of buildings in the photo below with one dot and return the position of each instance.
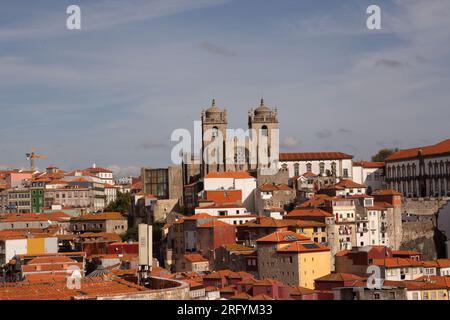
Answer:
(88, 190)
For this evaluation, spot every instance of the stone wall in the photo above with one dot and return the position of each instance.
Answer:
(423, 206)
(420, 236)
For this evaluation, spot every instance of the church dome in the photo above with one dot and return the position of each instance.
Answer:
(213, 111)
(262, 109)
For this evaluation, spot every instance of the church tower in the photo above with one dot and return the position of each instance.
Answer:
(214, 124)
(263, 119)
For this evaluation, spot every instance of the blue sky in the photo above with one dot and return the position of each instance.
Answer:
(113, 92)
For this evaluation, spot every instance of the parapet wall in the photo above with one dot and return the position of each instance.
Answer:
(161, 289)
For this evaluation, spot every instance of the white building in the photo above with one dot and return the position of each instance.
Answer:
(105, 175)
(370, 174)
(399, 269)
(420, 172)
(110, 193)
(233, 181)
(231, 214)
(336, 164)
(347, 187)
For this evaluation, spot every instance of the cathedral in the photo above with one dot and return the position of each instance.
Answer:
(225, 149)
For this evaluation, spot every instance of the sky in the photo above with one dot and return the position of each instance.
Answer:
(113, 92)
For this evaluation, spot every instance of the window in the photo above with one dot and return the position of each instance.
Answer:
(322, 168)
(309, 167)
(296, 170)
(345, 173)
(264, 131)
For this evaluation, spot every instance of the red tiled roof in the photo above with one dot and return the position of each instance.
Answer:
(405, 253)
(443, 263)
(54, 216)
(442, 147)
(303, 247)
(195, 257)
(91, 288)
(347, 183)
(305, 156)
(397, 262)
(309, 212)
(339, 276)
(98, 170)
(309, 174)
(283, 237)
(234, 175)
(214, 224)
(223, 196)
(300, 291)
(50, 260)
(199, 216)
(264, 222)
(241, 296)
(368, 164)
(101, 216)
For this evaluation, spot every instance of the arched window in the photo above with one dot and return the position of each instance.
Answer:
(333, 168)
(264, 131)
(322, 168)
(309, 167)
(414, 169)
(215, 132)
(296, 169)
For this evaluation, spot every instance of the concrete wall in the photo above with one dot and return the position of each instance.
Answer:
(179, 292)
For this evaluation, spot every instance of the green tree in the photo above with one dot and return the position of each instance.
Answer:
(121, 204)
(131, 234)
(383, 154)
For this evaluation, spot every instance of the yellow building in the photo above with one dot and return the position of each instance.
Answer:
(316, 231)
(428, 288)
(292, 258)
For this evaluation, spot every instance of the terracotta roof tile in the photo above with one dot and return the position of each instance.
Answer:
(442, 147)
(234, 175)
(309, 212)
(283, 237)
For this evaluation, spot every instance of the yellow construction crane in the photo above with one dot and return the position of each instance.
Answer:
(33, 155)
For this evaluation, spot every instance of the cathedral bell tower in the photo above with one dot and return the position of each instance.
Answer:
(263, 120)
(214, 125)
